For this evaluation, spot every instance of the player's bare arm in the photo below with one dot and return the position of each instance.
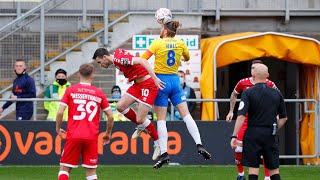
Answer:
(233, 100)
(147, 66)
(237, 126)
(59, 117)
(110, 122)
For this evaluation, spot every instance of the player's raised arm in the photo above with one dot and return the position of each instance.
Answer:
(147, 66)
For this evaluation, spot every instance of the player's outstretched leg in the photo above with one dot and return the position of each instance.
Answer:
(163, 140)
(194, 132)
(130, 114)
(148, 126)
(164, 158)
(153, 133)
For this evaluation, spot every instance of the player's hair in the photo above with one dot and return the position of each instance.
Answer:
(257, 61)
(172, 27)
(100, 52)
(86, 70)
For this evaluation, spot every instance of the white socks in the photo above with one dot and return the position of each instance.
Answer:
(156, 143)
(125, 111)
(163, 135)
(92, 177)
(63, 172)
(144, 124)
(192, 128)
(163, 132)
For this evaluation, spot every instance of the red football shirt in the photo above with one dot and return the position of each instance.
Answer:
(246, 83)
(84, 102)
(123, 60)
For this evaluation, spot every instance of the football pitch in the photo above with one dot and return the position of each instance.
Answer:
(138, 172)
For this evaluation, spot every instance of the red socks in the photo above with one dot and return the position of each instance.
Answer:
(131, 115)
(266, 172)
(63, 175)
(238, 158)
(152, 131)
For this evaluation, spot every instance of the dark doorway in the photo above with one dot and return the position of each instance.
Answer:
(286, 76)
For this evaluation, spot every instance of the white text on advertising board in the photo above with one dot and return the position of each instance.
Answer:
(144, 41)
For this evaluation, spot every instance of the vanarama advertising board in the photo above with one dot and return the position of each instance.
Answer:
(37, 143)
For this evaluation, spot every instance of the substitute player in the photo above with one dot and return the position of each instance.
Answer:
(168, 52)
(84, 102)
(144, 90)
(242, 85)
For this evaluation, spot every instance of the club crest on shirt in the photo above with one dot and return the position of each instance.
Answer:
(241, 105)
(125, 61)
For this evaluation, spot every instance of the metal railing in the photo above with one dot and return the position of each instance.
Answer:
(95, 34)
(16, 25)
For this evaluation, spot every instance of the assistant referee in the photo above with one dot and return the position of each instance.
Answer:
(263, 104)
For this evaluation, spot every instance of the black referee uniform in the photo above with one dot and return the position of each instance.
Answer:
(263, 104)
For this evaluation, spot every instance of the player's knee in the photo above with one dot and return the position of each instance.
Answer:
(120, 107)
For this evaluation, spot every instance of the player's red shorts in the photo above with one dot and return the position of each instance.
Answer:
(144, 92)
(73, 148)
(242, 130)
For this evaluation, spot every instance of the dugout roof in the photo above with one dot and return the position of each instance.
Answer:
(228, 49)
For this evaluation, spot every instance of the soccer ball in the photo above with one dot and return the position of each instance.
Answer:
(163, 15)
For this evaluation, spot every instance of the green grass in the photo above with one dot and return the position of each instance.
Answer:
(147, 172)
